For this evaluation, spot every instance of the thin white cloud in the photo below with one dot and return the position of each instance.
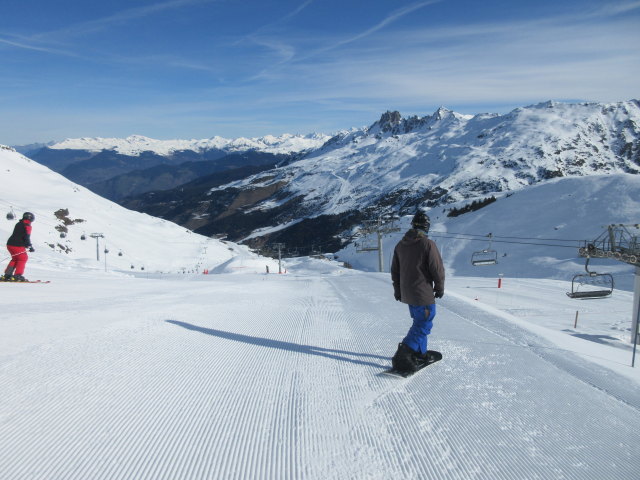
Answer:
(26, 45)
(120, 17)
(282, 49)
(287, 51)
(390, 19)
(284, 19)
(491, 63)
(393, 17)
(295, 12)
(52, 41)
(616, 8)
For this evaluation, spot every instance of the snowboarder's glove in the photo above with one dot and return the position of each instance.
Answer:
(31, 249)
(397, 296)
(439, 294)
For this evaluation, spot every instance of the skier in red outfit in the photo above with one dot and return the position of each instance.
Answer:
(18, 244)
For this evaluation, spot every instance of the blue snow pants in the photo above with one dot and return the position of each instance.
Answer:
(422, 316)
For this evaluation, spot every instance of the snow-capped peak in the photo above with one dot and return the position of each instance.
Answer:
(136, 144)
(447, 157)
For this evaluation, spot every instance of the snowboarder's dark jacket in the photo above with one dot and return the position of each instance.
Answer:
(21, 236)
(417, 270)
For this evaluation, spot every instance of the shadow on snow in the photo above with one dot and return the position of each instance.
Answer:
(289, 346)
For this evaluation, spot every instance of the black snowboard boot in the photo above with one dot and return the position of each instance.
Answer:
(425, 358)
(404, 359)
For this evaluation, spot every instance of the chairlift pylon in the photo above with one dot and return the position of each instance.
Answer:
(598, 285)
(486, 256)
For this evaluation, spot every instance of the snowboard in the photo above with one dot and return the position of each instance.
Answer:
(397, 373)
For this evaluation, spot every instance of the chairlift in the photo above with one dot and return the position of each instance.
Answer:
(119, 254)
(591, 284)
(367, 244)
(11, 215)
(366, 247)
(486, 256)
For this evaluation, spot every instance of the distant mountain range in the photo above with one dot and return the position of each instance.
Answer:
(398, 164)
(31, 148)
(115, 168)
(315, 189)
(536, 230)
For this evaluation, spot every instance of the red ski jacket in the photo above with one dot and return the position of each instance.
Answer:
(21, 236)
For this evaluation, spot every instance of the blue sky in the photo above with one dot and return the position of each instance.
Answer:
(199, 68)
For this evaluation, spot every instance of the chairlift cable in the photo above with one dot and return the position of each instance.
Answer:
(504, 236)
(506, 241)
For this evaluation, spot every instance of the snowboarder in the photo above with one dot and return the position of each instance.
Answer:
(418, 275)
(18, 244)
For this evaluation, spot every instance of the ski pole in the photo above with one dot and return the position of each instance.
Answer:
(13, 255)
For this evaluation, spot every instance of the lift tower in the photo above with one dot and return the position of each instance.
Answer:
(380, 226)
(622, 243)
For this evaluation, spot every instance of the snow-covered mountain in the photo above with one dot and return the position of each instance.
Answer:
(447, 157)
(582, 159)
(136, 144)
(67, 215)
(32, 147)
(119, 167)
(441, 160)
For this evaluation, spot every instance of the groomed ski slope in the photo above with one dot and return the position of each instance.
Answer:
(277, 377)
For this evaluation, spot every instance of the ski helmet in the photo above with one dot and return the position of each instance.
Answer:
(28, 216)
(421, 221)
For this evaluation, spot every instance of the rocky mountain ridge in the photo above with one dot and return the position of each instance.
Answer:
(398, 164)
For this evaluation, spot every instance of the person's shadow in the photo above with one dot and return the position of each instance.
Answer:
(279, 344)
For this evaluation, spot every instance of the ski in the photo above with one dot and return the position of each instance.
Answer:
(28, 281)
(392, 372)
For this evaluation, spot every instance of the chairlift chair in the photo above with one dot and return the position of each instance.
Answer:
(486, 256)
(11, 215)
(591, 284)
(366, 247)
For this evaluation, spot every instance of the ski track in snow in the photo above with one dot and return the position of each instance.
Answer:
(285, 385)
